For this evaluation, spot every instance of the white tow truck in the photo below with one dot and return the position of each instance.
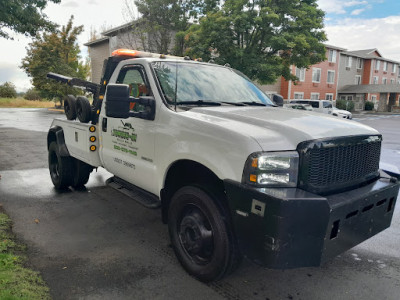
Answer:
(233, 174)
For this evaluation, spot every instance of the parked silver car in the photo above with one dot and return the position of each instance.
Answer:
(341, 113)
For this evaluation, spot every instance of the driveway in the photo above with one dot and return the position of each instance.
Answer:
(98, 244)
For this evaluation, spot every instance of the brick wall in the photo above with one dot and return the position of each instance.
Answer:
(308, 87)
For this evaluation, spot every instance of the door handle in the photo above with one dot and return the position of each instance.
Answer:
(104, 125)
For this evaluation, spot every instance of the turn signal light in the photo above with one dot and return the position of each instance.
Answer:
(93, 139)
(93, 148)
(253, 178)
(92, 128)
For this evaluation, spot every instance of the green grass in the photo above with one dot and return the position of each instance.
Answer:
(17, 281)
(22, 103)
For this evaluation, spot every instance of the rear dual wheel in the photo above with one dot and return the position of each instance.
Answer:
(60, 167)
(67, 171)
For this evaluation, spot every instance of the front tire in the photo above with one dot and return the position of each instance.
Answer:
(201, 235)
(60, 167)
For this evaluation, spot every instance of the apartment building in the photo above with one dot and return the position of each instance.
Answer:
(358, 76)
(320, 81)
(365, 75)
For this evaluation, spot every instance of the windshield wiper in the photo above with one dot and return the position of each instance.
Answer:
(254, 103)
(234, 103)
(199, 102)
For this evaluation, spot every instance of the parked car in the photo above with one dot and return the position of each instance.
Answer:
(341, 113)
(299, 106)
(324, 106)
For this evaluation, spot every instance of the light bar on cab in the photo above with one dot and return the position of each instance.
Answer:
(137, 54)
(125, 52)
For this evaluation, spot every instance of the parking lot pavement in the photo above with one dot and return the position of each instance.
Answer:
(372, 117)
(98, 244)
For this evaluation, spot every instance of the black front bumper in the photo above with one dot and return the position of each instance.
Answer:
(290, 228)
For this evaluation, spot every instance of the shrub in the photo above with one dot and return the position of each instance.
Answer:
(369, 105)
(344, 104)
(32, 94)
(7, 90)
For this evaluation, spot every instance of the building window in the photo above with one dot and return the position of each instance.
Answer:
(301, 73)
(392, 81)
(331, 77)
(359, 63)
(373, 99)
(329, 96)
(316, 75)
(349, 61)
(358, 79)
(384, 80)
(394, 66)
(385, 66)
(376, 78)
(298, 96)
(314, 96)
(332, 56)
(377, 65)
(348, 98)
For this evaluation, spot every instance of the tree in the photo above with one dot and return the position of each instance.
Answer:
(7, 90)
(159, 21)
(261, 38)
(32, 94)
(56, 52)
(24, 16)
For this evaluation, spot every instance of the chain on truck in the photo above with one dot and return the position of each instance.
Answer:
(234, 175)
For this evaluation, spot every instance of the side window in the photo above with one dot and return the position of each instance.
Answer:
(138, 85)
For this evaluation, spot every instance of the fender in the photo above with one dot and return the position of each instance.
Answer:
(56, 133)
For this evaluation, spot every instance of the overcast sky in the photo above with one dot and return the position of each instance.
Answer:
(353, 25)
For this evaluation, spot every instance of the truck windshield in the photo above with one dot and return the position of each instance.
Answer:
(198, 84)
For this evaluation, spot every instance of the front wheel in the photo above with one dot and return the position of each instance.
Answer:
(200, 234)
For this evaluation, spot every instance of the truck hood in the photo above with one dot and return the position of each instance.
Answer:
(279, 128)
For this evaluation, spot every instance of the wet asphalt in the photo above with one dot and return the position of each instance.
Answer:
(96, 243)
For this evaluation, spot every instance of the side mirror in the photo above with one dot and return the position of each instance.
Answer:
(118, 103)
(149, 107)
(277, 99)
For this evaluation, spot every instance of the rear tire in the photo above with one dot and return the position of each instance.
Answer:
(83, 109)
(201, 235)
(81, 173)
(60, 167)
(69, 107)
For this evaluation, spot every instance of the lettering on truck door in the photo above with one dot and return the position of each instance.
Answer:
(128, 144)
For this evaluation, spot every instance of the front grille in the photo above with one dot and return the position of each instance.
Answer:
(338, 164)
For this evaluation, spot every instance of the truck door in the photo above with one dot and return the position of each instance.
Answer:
(128, 144)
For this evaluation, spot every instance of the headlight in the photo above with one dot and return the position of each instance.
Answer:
(277, 169)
